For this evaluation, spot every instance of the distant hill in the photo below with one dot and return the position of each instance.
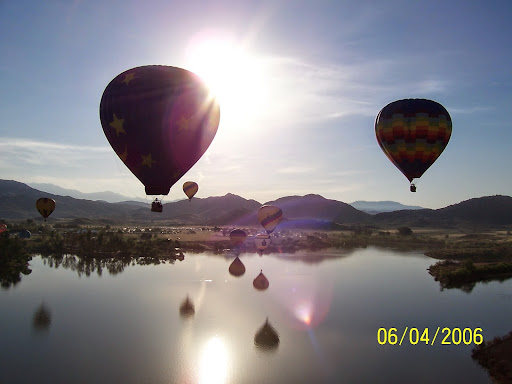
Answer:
(488, 211)
(374, 207)
(17, 201)
(314, 210)
(110, 197)
(217, 210)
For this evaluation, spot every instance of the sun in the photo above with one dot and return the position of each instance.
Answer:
(235, 77)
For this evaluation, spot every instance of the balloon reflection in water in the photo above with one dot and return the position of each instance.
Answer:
(42, 318)
(260, 282)
(187, 308)
(237, 268)
(213, 366)
(267, 338)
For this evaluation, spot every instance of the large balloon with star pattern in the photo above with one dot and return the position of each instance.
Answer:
(413, 133)
(159, 120)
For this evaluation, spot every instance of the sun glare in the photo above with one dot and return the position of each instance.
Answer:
(234, 76)
(213, 368)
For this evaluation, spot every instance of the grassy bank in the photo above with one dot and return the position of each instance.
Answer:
(495, 356)
(463, 274)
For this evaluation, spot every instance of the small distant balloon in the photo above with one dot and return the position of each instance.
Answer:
(3, 228)
(237, 268)
(413, 133)
(24, 234)
(260, 282)
(45, 206)
(269, 216)
(262, 241)
(190, 188)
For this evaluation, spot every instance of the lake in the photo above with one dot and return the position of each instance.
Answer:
(317, 322)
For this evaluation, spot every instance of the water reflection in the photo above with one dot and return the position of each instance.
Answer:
(213, 366)
(11, 275)
(114, 265)
(187, 308)
(237, 268)
(267, 338)
(260, 282)
(42, 318)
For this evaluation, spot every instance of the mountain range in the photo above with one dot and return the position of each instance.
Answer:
(17, 201)
(109, 197)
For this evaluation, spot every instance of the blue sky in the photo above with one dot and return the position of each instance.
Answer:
(301, 113)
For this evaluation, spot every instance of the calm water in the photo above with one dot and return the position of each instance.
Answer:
(326, 308)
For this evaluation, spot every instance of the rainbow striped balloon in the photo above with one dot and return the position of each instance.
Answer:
(413, 133)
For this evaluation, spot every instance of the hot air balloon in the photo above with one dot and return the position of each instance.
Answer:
(413, 133)
(237, 268)
(159, 120)
(262, 241)
(3, 228)
(260, 282)
(267, 338)
(269, 216)
(190, 188)
(45, 206)
(237, 237)
(24, 234)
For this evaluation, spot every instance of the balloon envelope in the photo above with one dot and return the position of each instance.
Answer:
(159, 120)
(237, 237)
(413, 133)
(269, 216)
(45, 206)
(3, 228)
(190, 188)
(24, 234)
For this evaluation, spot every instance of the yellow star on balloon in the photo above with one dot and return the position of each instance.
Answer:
(123, 156)
(147, 160)
(128, 77)
(176, 175)
(183, 123)
(117, 124)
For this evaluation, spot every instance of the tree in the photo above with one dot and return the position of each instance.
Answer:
(405, 231)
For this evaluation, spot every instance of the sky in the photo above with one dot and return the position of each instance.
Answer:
(299, 85)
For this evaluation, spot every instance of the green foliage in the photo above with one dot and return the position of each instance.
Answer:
(13, 260)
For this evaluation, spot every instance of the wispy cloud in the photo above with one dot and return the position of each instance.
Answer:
(470, 110)
(295, 170)
(18, 152)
